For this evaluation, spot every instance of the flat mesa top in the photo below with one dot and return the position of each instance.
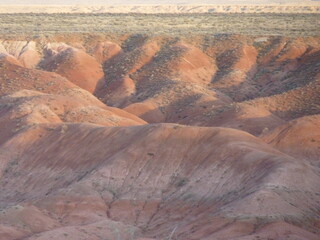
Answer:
(295, 7)
(159, 2)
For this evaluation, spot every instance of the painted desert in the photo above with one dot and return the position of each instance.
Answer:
(181, 124)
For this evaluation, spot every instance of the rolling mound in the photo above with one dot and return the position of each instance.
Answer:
(38, 108)
(140, 137)
(24, 52)
(247, 83)
(299, 137)
(74, 64)
(14, 77)
(143, 186)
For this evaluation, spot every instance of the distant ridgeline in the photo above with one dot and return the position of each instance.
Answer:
(157, 9)
(159, 2)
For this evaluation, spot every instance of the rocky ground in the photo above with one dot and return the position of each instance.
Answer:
(160, 137)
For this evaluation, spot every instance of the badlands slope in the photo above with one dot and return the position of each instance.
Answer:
(139, 137)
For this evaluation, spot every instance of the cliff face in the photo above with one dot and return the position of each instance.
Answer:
(143, 137)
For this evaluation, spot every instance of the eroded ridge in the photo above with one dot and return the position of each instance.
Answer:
(159, 137)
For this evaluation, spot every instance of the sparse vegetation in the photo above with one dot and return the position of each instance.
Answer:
(157, 24)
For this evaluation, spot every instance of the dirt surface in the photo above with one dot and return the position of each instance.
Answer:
(149, 137)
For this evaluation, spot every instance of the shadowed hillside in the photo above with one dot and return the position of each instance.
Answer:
(143, 137)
